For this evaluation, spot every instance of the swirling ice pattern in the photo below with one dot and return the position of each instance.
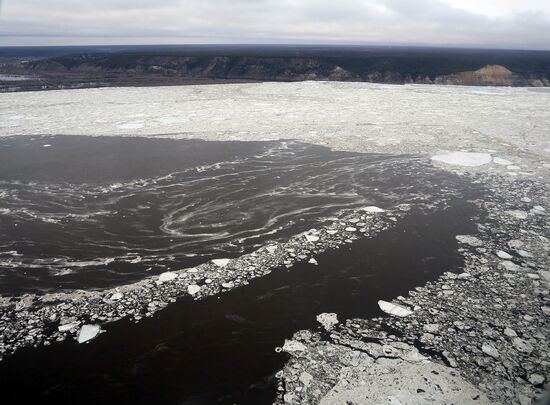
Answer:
(75, 235)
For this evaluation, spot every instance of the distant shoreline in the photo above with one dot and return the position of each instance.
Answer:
(72, 68)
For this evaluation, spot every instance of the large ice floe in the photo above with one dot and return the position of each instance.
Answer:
(469, 159)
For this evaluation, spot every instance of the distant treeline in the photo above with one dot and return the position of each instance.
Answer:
(178, 64)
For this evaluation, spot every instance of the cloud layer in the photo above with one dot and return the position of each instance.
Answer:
(489, 23)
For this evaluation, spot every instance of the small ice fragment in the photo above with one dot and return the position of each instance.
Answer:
(293, 346)
(373, 209)
(518, 214)
(469, 240)
(351, 229)
(311, 238)
(469, 159)
(394, 309)
(221, 262)
(46, 145)
(332, 231)
(524, 253)
(503, 162)
(503, 255)
(67, 327)
(88, 332)
(313, 261)
(328, 320)
(510, 266)
(167, 276)
(116, 296)
(490, 350)
(193, 289)
(228, 285)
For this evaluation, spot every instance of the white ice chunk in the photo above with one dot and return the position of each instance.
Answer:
(66, 327)
(293, 346)
(510, 266)
(116, 296)
(469, 240)
(373, 209)
(328, 320)
(313, 261)
(518, 214)
(193, 289)
(490, 350)
(469, 159)
(221, 262)
(88, 332)
(500, 161)
(394, 309)
(167, 276)
(311, 238)
(503, 255)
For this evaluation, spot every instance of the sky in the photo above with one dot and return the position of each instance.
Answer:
(518, 24)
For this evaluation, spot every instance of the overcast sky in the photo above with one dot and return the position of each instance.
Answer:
(481, 23)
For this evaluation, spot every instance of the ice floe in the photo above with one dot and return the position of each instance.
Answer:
(293, 346)
(193, 289)
(500, 161)
(518, 214)
(373, 209)
(116, 296)
(469, 159)
(503, 255)
(469, 240)
(327, 320)
(221, 262)
(311, 238)
(67, 327)
(394, 309)
(88, 332)
(167, 276)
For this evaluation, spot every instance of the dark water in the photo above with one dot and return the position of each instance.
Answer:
(88, 212)
(220, 350)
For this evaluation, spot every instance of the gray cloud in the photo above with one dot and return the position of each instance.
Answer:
(504, 23)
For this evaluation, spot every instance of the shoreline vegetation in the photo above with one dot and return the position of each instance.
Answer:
(52, 68)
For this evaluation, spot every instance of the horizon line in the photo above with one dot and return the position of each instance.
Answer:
(282, 44)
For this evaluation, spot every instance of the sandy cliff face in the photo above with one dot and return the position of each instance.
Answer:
(490, 75)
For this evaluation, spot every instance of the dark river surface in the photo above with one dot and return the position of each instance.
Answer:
(84, 212)
(79, 214)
